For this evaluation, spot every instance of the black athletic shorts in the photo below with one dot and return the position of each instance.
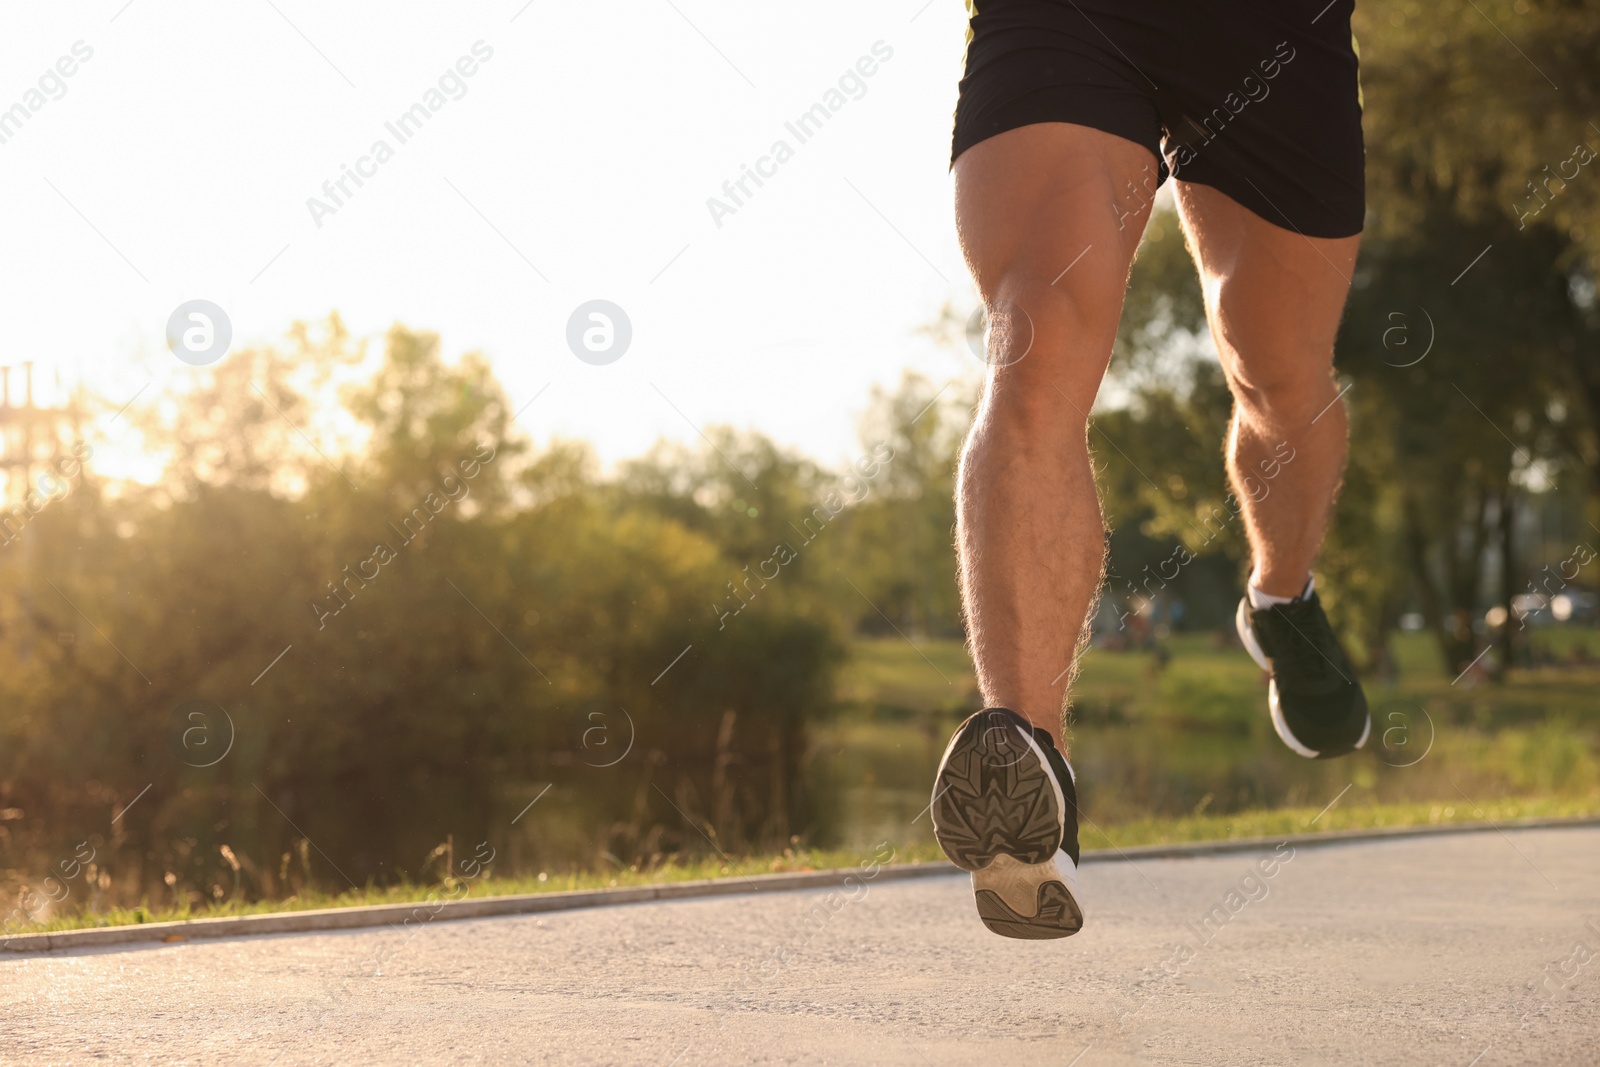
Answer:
(1260, 100)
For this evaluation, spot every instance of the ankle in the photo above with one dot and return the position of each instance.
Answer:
(1053, 729)
(1260, 598)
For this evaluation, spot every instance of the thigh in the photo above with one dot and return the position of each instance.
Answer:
(1049, 216)
(1273, 296)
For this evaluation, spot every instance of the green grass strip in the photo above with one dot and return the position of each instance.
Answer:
(1150, 831)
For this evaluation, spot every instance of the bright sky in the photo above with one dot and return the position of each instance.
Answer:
(177, 162)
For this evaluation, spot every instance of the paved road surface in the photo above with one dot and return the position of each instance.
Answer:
(1419, 951)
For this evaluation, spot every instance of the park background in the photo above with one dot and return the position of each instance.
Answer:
(740, 647)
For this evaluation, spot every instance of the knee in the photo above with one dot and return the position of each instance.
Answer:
(1288, 391)
(1279, 366)
(1047, 350)
(1076, 309)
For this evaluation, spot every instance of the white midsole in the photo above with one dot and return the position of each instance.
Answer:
(1050, 774)
(1017, 883)
(1281, 725)
(1247, 636)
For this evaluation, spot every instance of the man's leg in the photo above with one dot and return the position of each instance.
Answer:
(1049, 242)
(1274, 299)
(1049, 231)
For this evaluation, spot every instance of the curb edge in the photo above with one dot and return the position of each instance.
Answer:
(398, 915)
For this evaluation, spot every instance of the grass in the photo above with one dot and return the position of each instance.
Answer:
(487, 886)
(935, 674)
(1285, 821)
(1150, 831)
(1183, 750)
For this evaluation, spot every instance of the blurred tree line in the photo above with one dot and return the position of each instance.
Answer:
(334, 635)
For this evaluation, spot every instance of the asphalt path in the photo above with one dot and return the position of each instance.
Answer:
(1478, 949)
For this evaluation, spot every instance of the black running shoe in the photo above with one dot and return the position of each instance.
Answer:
(1317, 704)
(1005, 807)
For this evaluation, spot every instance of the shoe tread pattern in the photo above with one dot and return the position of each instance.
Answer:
(994, 797)
(1058, 915)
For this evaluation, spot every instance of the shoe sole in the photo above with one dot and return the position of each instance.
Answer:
(997, 813)
(1030, 901)
(1280, 725)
